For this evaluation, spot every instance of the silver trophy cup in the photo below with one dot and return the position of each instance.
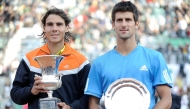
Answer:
(49, 65)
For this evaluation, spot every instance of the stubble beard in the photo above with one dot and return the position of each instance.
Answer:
(125, 37)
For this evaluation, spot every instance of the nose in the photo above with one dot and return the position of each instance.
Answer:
(54, 28)
(124, 23)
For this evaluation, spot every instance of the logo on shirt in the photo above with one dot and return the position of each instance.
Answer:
(66, 66)
(144, 68)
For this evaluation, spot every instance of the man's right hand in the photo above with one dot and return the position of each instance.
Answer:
(37, 88)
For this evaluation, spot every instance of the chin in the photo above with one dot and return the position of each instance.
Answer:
(58, 41)
(124, 38)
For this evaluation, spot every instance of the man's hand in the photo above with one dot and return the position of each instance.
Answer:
(63, 105)
(37, 88)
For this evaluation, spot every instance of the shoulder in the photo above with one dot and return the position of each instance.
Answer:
(150, 51)
(104, 58)
(29, 56)
(155, 57)
(33, 53)
(78, 55)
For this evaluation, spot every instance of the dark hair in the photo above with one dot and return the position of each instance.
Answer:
(63, 15)
(124, 6)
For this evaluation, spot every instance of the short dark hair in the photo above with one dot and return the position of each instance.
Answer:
(124, 6)
(63, 15)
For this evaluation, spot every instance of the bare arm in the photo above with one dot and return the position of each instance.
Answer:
(94, 103)
(164, 94)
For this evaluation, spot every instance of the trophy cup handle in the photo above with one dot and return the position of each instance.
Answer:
(60, 82)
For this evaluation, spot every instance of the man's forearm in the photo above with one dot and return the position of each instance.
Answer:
(163, 104)
(95, 107)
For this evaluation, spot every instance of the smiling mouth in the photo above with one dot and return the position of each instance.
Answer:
(125, 30)
(55, 35)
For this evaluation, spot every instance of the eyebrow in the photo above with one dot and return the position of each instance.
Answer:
(52, 23)
(123, 18)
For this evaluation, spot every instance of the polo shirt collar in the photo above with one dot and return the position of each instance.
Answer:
(66, 52)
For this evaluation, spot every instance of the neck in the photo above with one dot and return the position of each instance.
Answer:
(125, 48)
(55, 48)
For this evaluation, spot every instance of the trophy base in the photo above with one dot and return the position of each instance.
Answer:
(49, 103)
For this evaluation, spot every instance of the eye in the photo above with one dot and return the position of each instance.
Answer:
(59, 24)
(119, 20)
(49, 24)
(128, 20)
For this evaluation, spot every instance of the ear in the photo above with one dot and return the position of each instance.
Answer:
(113, 25)
(137, 25)
(67, 28)
(43, 27)
(44, 31)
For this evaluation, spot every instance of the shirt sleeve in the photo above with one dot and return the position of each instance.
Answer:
(94, 83)
(82, 102)
(21, 90)
(161, 72)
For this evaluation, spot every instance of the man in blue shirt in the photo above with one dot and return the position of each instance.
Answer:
(129, 59)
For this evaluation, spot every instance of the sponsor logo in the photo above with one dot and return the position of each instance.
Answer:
(144, 68)
(66, 66)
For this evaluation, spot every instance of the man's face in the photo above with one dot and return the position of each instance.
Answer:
(55, 29)
(124, 25)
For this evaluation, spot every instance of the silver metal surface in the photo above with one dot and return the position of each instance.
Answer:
(127, 93)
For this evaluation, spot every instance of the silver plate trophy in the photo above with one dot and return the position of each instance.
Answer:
(51, 79)
(127, 93)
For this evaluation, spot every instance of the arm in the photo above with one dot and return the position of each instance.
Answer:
(21, 90)
(94, 103)
(82, 103)
(162, 82)
(164, 94)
